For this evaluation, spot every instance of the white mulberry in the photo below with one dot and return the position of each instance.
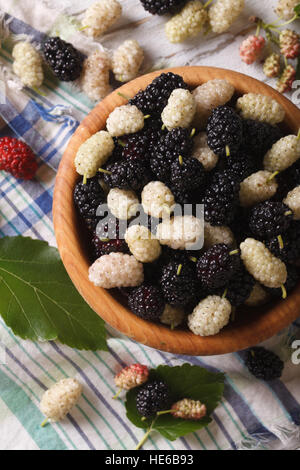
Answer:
(116, 270)
(127, 60)
(292, 200)
(262, 264)
(125, 119)
(180, 109)
(95, 76)
(283, 154)
(258, 187)
(208, 96)
(285, 9)
(214, 235)
(94, 153)
(258, 296)
(100, 16)
(158, 200)
(223, 13)
(260, 108)
(180, 232)
(58, 401)
(189, 22)
(203, 153)
(28, 65)
(172, 316)
(210, 316)
(122, 203)
(142, 244)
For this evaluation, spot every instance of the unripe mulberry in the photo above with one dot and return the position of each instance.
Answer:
(132, 376)
(209, 96)
(95, 77)
(180, 109)
(258, 187)
(214, 235)
(272, 66)
(127, 60)
(101, 16)
(188, 23)
(122, 203)
(283, 154)
(172, 316)
(285, 9)
(189, 409)
(293, 202)
(210, 316)
(223, 13)
(93, 154)
(285, 83)
(180, 232)
(158, 200)
(203, 153)
(28, 65)
(261, 108)
(251, 49)
(116, 270)
(142, 244)
(258, 296)
(58, 401)
(262, 265)
(289, 42)
(126, 119)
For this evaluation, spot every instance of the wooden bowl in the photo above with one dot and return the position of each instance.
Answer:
(251, 327)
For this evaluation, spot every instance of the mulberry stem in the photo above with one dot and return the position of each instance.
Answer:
(120, 142)
(117, 394)
(207, 3)
(272, 176)
(193, 132)
(179, 270)
(144, 439)
(224, 294)
(105, 171)
(234, 252)
(124, 96)
(288, 213)
(281, 244)
(39, 92)
(164, 412)
(298, 135)
(147, 116)
(44, 422)
(180, 159)
(227, 148)
(284, 293)
(84, 179)
(192, 258)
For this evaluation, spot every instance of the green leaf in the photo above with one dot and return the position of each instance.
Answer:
(184, 381)
(38, 300)
(297, 9)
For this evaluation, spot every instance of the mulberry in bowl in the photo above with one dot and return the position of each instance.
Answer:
(228, 295)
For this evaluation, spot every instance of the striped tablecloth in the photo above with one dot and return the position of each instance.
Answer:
(252, 414)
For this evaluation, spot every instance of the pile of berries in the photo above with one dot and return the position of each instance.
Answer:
(197, 147)
(287, 41)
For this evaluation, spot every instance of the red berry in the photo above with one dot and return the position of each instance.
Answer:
(132, 376)
(17, 158)
(251, 49)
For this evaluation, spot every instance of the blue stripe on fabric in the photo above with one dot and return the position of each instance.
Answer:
(287, 399)
(29, 416)
(94, 389)
(43, 387)
(238, 403)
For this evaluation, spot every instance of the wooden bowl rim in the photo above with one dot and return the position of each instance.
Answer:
(237, 336)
